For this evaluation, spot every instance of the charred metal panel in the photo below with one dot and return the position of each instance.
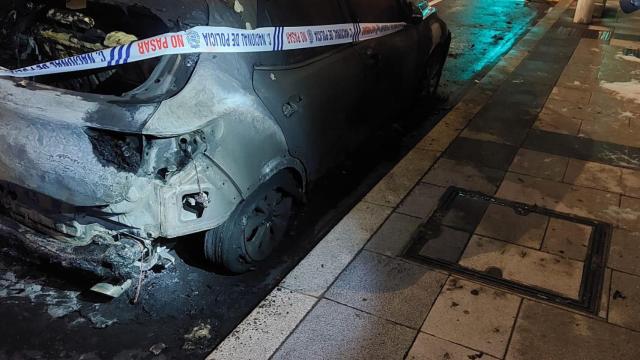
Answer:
(221, 193)
(245, 137)
(32, 100)
(105, 258)
(57, 159)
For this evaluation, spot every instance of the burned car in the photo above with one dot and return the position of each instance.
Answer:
(98, 167)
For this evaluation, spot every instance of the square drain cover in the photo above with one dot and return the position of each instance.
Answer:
(534, 251)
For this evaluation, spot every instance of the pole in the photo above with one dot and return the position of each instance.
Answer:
(584, 12)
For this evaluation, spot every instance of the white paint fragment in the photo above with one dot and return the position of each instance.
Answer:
(248, 26)
(624, 90)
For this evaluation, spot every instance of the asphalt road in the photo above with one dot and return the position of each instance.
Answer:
(184, 312)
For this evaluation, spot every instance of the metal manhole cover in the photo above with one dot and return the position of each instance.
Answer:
(534, 251)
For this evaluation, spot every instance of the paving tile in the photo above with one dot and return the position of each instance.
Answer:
(439, 138)
(397, 183)
(473, 315)
(523, 94)
(554, 121)
(501, 222)
(588, 52)
(594, 175)
(615, 131)
(428, 347)
(567, 239)
(565, 198)
(604, 97)
(323, 264)
(491, 120)
(629, 213)
(579, 76)
(625, 44)
(539, 71)
(335, 331)
(270, 322)
(631, 182)
(583, 148)
(624, 300)
(624, 252)
(484, 135)
(556, 49)
(524, 265)
(445, 244)
(538, 164)
(571, 95)
(591, 112)
(547, 332)
(465, 175)
(394, 235)
(421, 201)
(483, 153)
(388, 288)
(475, 99)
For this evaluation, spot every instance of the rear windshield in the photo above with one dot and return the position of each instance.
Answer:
(33, 32)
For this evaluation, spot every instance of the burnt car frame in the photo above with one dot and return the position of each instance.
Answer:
(97, 167)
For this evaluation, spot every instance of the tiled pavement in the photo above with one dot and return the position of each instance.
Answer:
(555, 124)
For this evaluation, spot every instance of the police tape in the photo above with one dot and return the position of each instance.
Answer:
(212, 39)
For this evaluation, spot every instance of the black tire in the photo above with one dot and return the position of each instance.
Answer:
(435, 65)
(255, 227)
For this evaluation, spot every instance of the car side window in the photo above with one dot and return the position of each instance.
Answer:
(300, 13)
(375, 11)
(307, 12)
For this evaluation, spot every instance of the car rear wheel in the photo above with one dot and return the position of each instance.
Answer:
(435, 64)
(256, 227)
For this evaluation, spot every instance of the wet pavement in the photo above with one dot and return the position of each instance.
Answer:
(187, 310)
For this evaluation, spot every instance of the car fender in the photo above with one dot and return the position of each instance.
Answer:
(247, 144)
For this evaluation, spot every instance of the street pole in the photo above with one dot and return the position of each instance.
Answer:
(584, 12)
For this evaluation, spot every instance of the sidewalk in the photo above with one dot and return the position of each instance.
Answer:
(555, 126)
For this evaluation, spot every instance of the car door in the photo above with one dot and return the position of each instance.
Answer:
(391, 59)
(314, 94)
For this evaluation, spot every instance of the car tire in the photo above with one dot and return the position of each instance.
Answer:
(256, 226)
(435, 65)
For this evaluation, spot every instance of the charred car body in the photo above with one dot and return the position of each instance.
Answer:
(97, 166)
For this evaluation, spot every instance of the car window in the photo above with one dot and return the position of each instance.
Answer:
(373, 11)
(307, 12)
(299, 13)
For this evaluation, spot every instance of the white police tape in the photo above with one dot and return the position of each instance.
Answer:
(211, 39)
